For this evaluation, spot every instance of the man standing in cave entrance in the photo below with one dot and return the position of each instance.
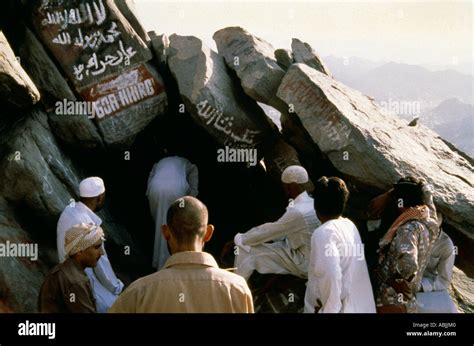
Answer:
(283, 246)
(171, 178)
(105, 285)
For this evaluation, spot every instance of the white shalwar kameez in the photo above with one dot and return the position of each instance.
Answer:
(437, 278)
(171, 178)
(337, 275)
(289, 251)
(105, 285)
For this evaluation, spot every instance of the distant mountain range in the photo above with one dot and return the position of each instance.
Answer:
(395, 81)
(454, 121)
(444, 99)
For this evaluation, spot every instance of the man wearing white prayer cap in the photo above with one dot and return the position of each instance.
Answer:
(283, 246)
(67, 288)
(105, 284)
(91, 187)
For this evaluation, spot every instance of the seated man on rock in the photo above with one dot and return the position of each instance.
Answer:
(67, 288)
(283, 246)
(433, 293)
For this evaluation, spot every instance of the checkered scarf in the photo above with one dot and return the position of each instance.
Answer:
(81, 237)
(414, 213)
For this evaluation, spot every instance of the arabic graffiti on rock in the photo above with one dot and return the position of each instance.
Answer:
(214, 117)
(89, 38)
(119, 92)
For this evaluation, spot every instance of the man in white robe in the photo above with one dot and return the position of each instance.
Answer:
(171, 178)
(338, 279)
(105, 285)
(433, 296)
(281, 247)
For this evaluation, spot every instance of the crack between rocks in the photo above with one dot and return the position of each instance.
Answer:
(457, 176)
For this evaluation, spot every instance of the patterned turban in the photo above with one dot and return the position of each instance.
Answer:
(81, 237)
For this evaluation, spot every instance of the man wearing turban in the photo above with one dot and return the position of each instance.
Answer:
(105, 285)
(66, 288)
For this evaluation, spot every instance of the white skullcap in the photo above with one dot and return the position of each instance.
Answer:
(81, 237)
(294, 174)
(91, 187)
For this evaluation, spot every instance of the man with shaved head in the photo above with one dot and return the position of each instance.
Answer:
(190, 280)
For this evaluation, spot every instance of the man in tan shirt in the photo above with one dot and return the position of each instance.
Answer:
(191, 280)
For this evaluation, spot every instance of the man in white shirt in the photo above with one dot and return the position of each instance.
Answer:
(439, 270)
(338, 279)
(281, 247)
(105, 285)
(171, 178)
(433, 296)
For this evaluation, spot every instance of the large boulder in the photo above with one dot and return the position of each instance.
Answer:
(127, 7)
(375, 149)
(42, 70)
(462, 290)
(284, 58)
(76, 130)
(125, 104)
(253, 60)
(160, 46)
(106, 61)
(34, 171)
(305, 54)
(21, 275)
(16, 88)
(209, 94)
(92, 42)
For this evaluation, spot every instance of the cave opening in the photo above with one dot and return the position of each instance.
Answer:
(238, 197)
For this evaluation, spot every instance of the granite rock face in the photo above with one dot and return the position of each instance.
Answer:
(376, 149)
(20, 276)
(305, 54)
(284, 58)
(232, 118)
(16, 87)
(104, 59)
(253, 60)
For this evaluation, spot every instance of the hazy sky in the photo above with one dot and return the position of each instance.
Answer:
(417, 32)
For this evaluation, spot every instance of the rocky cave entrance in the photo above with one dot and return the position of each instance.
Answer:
(238, 197)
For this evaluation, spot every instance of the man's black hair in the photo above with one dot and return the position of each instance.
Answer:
(330, 196)
(408, 192)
